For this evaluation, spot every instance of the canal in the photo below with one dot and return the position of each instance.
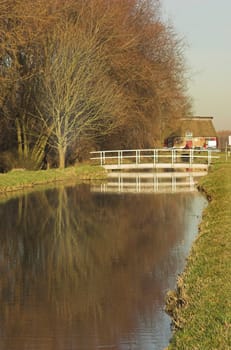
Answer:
(84, 270)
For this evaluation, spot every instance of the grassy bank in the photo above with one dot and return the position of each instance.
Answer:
(202, 301)
(19, 179)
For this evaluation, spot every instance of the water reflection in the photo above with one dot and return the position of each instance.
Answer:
(148, 182)
(89, 271)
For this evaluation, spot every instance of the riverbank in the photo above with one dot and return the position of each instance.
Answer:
(201, 305)
(20, 179)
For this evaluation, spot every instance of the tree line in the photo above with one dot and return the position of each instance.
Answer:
(223, 139)
(77, 76)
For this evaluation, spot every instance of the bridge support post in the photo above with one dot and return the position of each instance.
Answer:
(102, 158)
(173, 183)
(120, 157)
(173, 157)
(137, 157)
(191, 153)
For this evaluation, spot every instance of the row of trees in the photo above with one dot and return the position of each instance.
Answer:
(79, 75)
(223, 139)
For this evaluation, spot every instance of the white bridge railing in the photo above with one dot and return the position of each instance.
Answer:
(154, 158)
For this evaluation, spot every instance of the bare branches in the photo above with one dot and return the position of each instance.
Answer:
(76, 95)
(102, 70)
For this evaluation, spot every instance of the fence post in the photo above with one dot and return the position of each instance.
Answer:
(209, 157)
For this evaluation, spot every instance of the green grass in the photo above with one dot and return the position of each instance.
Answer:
(23, 179)
(205, 321)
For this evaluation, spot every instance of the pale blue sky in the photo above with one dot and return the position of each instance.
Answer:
(205, 26)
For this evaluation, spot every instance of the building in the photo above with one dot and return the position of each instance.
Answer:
(193, 132)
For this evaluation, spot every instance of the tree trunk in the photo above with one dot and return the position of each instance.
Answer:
(38, 152)
(19, 138)
(62, 156)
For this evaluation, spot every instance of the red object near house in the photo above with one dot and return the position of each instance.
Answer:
(189, 144)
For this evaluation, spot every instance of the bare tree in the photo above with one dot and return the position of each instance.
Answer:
(76, 96)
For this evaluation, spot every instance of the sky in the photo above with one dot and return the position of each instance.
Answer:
(205, 26)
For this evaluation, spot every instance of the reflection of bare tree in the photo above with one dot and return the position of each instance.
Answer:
(69, 255)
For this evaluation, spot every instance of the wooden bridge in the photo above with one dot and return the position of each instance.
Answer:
(164, 158)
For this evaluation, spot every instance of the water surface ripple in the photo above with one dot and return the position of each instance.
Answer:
(82, 271)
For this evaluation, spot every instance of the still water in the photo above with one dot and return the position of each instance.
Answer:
(81, 270)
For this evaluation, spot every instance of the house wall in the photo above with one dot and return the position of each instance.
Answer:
(193, 142)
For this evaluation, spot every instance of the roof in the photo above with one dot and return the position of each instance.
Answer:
(198, 126)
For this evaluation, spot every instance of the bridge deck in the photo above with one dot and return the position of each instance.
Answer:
(155, 166)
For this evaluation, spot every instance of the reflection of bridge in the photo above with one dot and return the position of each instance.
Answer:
(147, 182)
(165, 158)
